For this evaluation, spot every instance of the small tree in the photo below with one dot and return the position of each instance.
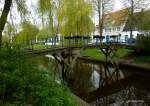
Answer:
(144, 21)
(102, 7)
(133, 6)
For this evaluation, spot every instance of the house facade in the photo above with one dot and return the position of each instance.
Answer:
(115, 24)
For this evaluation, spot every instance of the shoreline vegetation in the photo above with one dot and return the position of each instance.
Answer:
(123, 55)
(23, 83)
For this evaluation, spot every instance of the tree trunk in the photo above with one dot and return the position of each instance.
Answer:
(132, 19)
(3, 18)
(99, 15)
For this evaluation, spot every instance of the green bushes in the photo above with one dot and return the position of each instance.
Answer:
(23, 84)
(143, 42)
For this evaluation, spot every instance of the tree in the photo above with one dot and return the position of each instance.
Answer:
(74, 17)
(9, 30)
(133, 6)
(7, 6)
(3, 18)
(143, 21)
(46, 10)
(27, 35)
(43, 34)
(102, 7)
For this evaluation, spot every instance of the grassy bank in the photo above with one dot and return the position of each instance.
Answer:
(96, 53)
(22, 83)
(142, 60)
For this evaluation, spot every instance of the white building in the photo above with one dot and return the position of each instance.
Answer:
(115, 23)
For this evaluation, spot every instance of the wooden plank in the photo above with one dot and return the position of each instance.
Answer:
(51, 50)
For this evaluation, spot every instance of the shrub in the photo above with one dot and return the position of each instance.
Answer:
(143, 42)
(21, 83)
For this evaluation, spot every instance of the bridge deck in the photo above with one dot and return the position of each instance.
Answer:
(59, 49)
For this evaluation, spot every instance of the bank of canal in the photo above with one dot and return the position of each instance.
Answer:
(85, 81)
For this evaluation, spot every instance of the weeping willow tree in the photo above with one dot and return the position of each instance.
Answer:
(27, 34)
(43, 33)
(46, 10)
(9, 30)
(74, 17)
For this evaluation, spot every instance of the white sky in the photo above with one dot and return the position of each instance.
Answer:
(16, 18)
(118, 5)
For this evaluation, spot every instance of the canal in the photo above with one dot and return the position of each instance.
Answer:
(90, 82)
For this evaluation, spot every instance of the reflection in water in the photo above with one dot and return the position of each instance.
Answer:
(95, 78)
(79, 79)
(86, 78)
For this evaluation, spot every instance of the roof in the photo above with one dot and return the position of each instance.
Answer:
(116, 18)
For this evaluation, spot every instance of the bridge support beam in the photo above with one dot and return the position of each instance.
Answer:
(66, 60)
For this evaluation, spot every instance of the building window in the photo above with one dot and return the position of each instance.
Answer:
(106, 29)
(118, 28)
(126, 37)
(114, 29)
(109, 29)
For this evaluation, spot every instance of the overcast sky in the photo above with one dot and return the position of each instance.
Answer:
(118, 5)
(31, 3)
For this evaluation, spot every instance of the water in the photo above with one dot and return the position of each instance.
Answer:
(87, 79)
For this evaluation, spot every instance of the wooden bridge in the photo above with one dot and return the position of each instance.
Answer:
(66, 48)
(66, 58)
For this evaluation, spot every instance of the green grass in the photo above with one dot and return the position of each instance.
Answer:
(121, 53)
(39, 46)
(94, 53)
(42, 46)
(97, 54)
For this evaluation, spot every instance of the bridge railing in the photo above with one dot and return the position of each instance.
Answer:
(68, 41)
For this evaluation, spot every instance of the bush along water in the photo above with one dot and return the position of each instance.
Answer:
(23, 84)
(143, 43)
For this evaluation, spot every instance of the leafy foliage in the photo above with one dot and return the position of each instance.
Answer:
(21, 7)
(44, 6)
(9, 29)
(142, 59)
(143, 42)
(46, 9)
(74, 17)
(144, 21)
(5, 39)
(29, 32)
(43, 33)
(21, 83)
